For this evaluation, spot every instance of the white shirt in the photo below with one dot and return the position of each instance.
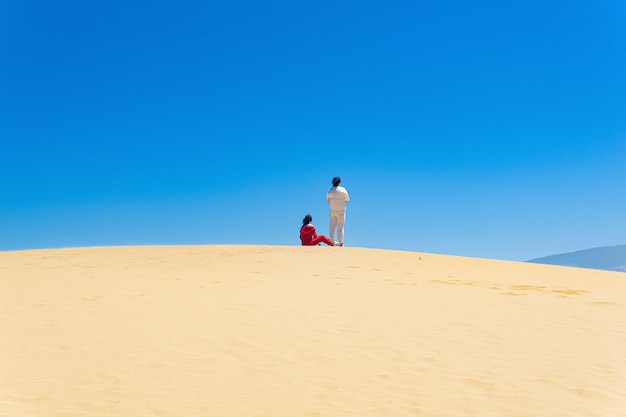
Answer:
(337, 198)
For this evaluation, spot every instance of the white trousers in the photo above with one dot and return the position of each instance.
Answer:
(337, 220)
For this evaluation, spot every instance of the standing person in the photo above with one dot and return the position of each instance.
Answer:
(337, 197)
(309, 236)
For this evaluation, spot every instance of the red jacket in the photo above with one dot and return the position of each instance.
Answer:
(307, 234)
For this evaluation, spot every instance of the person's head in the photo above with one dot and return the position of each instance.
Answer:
(336, 181)
(307, 219)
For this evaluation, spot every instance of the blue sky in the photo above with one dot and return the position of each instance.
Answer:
(488, 129)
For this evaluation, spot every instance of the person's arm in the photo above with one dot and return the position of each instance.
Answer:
(346, 196)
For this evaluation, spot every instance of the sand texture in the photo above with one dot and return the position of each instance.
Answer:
(273, 331)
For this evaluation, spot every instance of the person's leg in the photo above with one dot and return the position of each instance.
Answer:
(333, 225)
(321, 239)
(341, 220)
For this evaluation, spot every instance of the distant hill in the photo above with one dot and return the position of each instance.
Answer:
(610, 258)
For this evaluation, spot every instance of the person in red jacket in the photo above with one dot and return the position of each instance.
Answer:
(309, 236)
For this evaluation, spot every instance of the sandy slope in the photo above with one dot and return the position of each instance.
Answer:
(305, 331)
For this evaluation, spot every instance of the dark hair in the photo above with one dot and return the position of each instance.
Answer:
(307, 219)
(336, 181)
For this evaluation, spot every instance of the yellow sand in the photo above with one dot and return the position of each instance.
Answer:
(276, 331)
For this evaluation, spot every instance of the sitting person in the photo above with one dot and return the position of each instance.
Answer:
(309, 236)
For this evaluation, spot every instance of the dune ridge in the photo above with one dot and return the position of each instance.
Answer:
(246, 330)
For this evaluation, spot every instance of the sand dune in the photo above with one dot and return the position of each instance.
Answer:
(305, 331)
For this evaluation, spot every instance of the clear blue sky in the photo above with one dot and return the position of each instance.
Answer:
(486, 128)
